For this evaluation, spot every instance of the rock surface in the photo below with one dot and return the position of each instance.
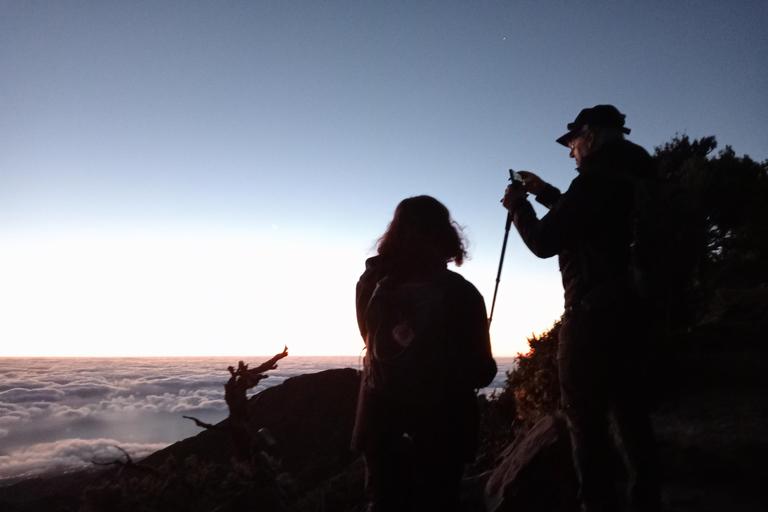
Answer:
(310, 417)
(535, 472)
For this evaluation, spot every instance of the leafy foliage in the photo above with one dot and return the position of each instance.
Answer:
(193, 486)
(344, 492)
(534, 383)
(733, 192)
(498, 420)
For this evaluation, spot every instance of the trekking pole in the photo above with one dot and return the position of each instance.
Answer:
(514, 178)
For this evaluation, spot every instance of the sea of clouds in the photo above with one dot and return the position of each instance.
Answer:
(60, 414)
(64, 413)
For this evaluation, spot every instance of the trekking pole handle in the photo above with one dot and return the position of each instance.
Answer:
(516, 180)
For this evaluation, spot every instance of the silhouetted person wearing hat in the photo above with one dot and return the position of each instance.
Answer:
(589, 227)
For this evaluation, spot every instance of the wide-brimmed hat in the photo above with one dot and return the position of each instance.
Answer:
(606, 116)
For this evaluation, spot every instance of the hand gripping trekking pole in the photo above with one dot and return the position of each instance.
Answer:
(516, 181)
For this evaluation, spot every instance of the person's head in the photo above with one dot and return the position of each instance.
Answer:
(422, 232)
(591, 129)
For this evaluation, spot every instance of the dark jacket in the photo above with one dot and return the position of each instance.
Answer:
(589, 226)
(475, 368)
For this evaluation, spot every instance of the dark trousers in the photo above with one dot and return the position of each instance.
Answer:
(418, 473)
(599, 357)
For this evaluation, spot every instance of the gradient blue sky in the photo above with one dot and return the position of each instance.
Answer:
(207, 178)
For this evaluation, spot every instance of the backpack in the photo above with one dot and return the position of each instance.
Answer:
(407, 353)
(668, 238)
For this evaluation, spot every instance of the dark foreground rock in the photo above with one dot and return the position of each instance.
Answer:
(711, 431)
(310, 418)
(535, 472)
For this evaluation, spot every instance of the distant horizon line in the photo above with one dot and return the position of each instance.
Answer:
(192, 357)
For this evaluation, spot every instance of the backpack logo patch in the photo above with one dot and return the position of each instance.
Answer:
(403, 335)
(406, 339)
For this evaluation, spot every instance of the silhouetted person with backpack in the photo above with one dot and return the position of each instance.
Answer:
(428, 350)
(590, 229)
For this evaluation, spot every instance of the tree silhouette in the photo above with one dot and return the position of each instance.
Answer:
(733, 192)
(235, 394)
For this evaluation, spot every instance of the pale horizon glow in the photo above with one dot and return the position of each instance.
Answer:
(183, 296)
(104, 296)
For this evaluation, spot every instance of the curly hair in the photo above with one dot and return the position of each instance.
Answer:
(422, 230)
(592, 138)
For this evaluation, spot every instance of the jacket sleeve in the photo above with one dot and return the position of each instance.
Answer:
(362, 297)
(560, 227)
(548, 196)
(366, 285)
(481, 365)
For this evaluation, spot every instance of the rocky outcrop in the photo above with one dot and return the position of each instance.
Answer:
(310, 417)
(535, 472)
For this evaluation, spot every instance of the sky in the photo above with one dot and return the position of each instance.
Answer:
(207, 178)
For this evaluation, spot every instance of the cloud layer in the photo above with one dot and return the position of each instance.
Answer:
(60, 413)
(69, 454)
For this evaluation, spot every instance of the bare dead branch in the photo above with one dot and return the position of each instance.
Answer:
(126, 464)
(202, 424)
(235, 395)
(270, 365)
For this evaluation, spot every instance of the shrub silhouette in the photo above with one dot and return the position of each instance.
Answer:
(191, 485)
(534, 383)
